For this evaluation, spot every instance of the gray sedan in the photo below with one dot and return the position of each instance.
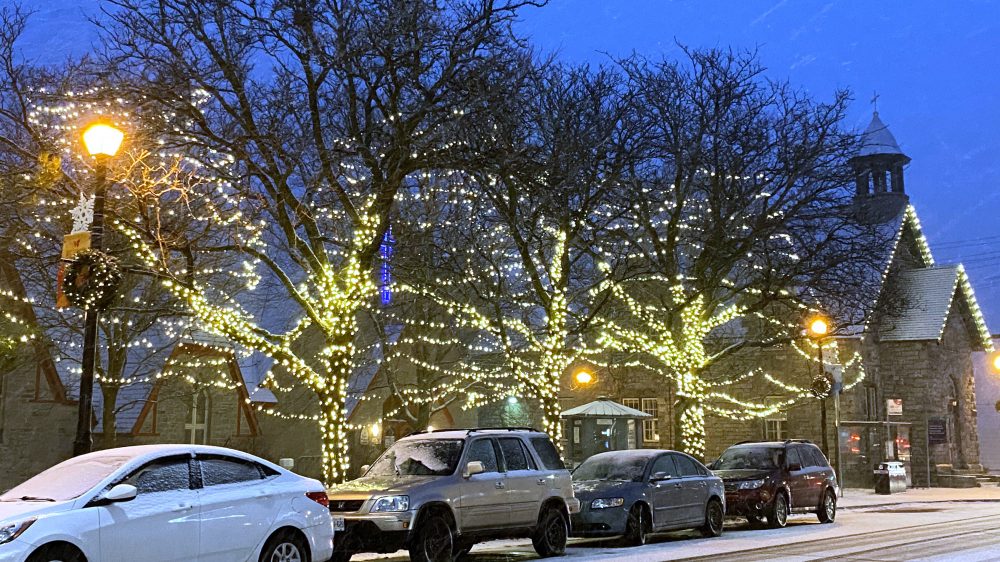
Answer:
(635, 493)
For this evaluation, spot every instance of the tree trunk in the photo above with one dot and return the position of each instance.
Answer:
(689, 427)
(333, 435)
(110, 394)
(551, 419)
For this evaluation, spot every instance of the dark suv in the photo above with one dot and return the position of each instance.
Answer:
(773, 479)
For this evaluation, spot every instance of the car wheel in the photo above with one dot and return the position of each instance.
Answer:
(57, 553)
(714, 519)
(551, 534)
(638, 526)
(284, 547)
(827, 511)
(433, 542)
(777, 516)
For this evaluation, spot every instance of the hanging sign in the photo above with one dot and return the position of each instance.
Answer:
(75, 243)
(937, 431)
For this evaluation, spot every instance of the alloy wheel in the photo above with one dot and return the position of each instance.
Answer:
(286, 552)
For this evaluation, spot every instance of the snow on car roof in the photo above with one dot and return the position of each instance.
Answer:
(137, 452)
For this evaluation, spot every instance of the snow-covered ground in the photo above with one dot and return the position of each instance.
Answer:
(962, 521)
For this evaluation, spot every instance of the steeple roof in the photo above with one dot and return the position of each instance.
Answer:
(878, 140)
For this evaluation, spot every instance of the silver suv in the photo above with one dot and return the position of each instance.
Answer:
(439, 493)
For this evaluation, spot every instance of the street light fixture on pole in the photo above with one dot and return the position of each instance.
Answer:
(102, 142)
(818, 328)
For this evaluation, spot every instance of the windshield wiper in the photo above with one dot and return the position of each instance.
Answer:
(30, 499)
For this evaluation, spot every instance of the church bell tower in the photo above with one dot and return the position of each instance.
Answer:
(878, 172)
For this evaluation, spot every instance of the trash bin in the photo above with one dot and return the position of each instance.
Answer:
(890, 478)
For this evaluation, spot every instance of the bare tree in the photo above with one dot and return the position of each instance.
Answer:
(326, 109)
(740, 224)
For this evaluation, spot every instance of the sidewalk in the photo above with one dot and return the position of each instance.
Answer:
(855, 498)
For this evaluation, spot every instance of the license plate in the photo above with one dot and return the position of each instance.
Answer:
(338, 523)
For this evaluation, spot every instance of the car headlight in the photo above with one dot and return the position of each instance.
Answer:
(750, 484)
(391, 503)
(14, 530)
(604, 503)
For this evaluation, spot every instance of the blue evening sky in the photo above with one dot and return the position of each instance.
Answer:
(933, 63)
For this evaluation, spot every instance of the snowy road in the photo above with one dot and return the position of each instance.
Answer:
(955, 531)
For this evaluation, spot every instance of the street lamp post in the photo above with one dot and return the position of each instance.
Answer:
(102, 142)
(819, 328)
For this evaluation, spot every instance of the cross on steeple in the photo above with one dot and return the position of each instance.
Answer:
(875, 101)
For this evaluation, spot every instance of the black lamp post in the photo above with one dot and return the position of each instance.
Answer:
(102, 142)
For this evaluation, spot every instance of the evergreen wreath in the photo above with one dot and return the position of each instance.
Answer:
(822, 386)
(91, 280)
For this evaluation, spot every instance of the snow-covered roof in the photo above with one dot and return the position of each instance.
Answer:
(878, 140)
(605, 409)
(928, 293)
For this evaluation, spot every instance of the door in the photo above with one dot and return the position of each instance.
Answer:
(482, 504)
(799, 480)
(694, 489)
(238, 506)
(666, 494)
(161, 523)
(525, 490)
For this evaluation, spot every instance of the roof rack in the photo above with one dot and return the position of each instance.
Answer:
(798, 441)
(468, 430)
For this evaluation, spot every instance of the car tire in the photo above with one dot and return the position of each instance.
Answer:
(57, 553)
(638, 526)
(777, 516)
(827, 511)
(549, 538)
(715, 517)
(284, 546)
(433, 542)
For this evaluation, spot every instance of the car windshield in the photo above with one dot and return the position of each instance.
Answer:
(67, 480)
(426, 457)
(611, 467)
(749, 458)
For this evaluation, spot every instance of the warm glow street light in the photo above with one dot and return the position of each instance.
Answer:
(995, 362)
(818, 327)
(102, 139)
(583, 377)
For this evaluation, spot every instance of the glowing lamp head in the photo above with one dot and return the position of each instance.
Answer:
(583, 377)
(375, 429)
(512, 400)
(995, 362)
(819, 327)
(430, 428)
(102, 139)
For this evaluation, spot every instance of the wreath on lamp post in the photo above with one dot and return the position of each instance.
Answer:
(822, 386)
(91, 280)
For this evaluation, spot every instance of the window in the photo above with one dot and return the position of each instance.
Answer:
(547, 453)
(686, 466)
(219, 471)
(631, 403)
(813, 456)
(794, 457)
(650, 426)
(482, 450)
(162, 476)
(513, 454)
(871, 402)
(532, 465)
(197, 425)
(776, 429)
(666, 465)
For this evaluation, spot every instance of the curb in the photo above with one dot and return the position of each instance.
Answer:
(915, 502)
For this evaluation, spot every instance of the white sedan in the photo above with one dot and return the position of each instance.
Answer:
(163, 503)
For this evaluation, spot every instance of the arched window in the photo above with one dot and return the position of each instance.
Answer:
(198, 417)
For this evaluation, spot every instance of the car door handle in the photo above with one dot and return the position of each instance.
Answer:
(677, 485)
(183, 507)
(541, 481)
(499, 485)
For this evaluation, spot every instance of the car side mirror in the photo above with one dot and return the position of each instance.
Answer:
(794, 467)
(474, 467)
(120, 493)
(659, 477)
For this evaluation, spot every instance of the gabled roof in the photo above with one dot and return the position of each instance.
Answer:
(928, 294)
(604, 408)
(878, 140)
(927, 288)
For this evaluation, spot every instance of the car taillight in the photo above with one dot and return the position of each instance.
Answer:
(319, 497)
